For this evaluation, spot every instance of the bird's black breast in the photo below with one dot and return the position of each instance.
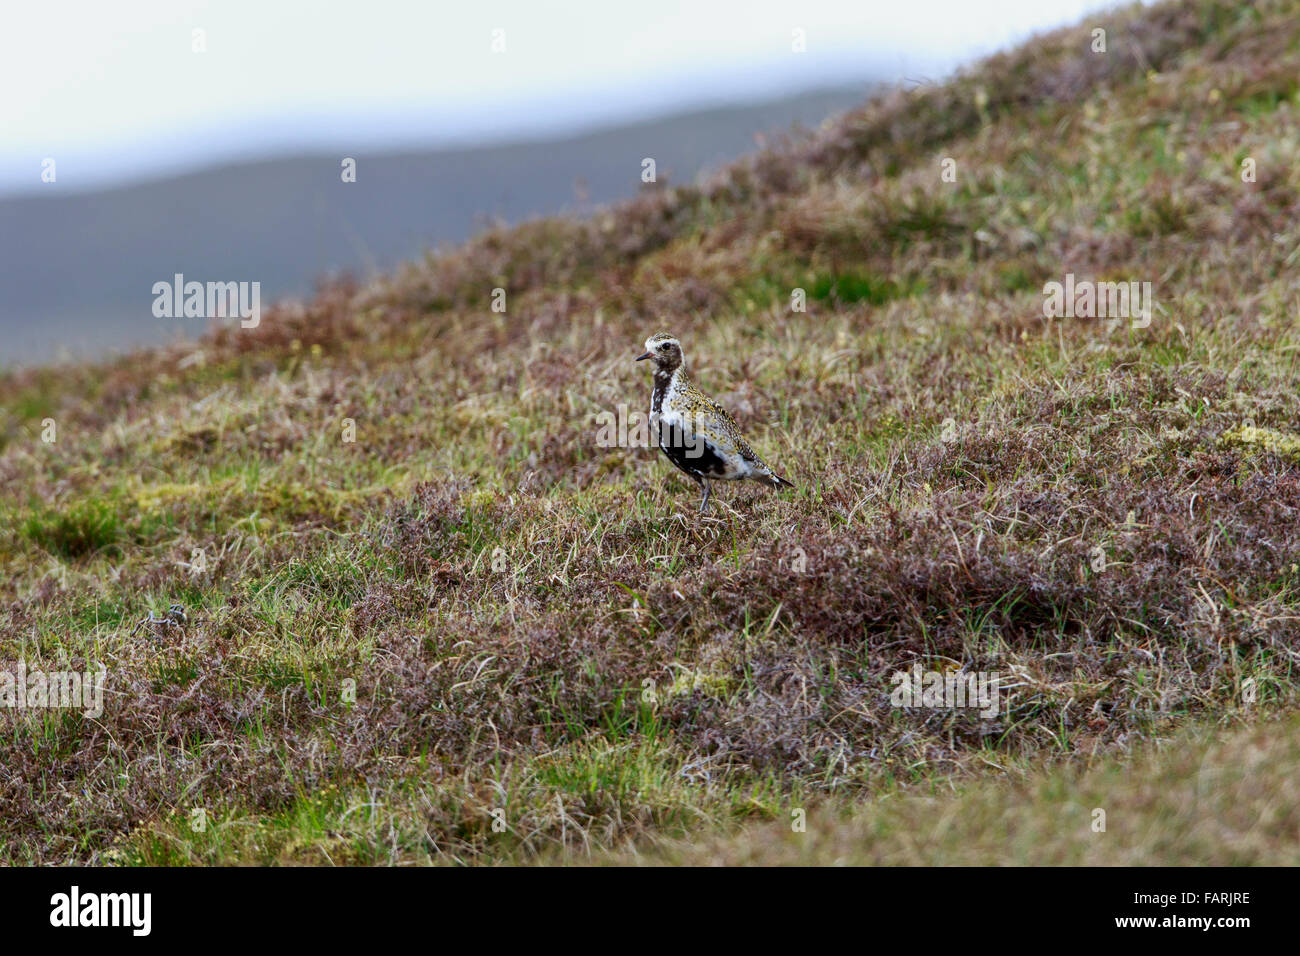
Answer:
(694, 457)
(662, 382)
(689, 453)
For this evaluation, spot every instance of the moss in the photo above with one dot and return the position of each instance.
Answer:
(690, 680)
(848, 287)
(1283, 444)
(83, 527)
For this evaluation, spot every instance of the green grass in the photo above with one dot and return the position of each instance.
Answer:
(83, 528)
(1199, 802)
(846, 289)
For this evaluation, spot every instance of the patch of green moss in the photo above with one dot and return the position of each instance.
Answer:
(84, 527)
(1283, 444)
(849, 287)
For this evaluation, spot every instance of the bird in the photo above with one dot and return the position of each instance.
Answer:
(693, 430)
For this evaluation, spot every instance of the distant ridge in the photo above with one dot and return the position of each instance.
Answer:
(76, 270)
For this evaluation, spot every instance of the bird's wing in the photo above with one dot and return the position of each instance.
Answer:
(716, 425)
(733, 429)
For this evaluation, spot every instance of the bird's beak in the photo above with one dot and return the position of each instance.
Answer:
(642, 358)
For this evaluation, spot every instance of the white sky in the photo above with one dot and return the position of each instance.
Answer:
(112, 90)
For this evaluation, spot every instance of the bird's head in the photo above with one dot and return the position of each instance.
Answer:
(665, 350)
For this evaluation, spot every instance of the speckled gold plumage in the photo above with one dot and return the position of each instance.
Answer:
(695, 432)
(712, 421)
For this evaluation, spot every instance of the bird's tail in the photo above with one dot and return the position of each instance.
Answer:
(773, 479)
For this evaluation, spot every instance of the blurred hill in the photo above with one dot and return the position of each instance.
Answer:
(76, 270)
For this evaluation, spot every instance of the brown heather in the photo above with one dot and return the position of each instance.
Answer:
(540, 626)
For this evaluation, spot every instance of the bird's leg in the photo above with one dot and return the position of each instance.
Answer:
(704, 503)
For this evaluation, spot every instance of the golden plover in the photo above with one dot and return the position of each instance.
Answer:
(693, 430)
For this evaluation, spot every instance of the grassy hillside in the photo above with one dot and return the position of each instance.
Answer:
(541, 632)
(1199, 802)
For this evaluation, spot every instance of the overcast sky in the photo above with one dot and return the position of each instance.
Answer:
(114, 90)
